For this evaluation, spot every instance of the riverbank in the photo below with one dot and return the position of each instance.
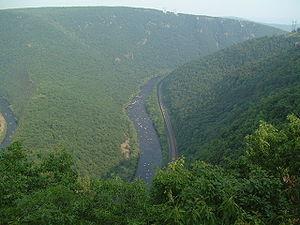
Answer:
(173, 152)
(3, 127)
(153, 109)
(10, 121)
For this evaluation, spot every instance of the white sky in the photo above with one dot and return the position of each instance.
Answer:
(271, 11)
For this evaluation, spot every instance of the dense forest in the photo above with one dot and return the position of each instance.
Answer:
(260, 187)
(69, 72)
(214, 102)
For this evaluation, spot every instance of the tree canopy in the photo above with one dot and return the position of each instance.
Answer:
(261, 187)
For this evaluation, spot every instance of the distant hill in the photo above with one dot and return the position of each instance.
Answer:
(69, 72)
(284, 27)
(217, 100)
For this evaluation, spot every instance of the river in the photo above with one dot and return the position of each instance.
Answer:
(150, 156)
(11, 122)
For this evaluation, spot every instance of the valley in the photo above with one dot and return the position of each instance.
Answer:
(69, 72)
(133, 116)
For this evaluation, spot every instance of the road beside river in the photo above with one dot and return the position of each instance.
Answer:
(168, 125)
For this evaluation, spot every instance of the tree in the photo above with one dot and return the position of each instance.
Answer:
(277, 151)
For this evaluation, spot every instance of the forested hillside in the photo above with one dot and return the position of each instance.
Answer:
(69, 72)
(260, 188)
(217, 100)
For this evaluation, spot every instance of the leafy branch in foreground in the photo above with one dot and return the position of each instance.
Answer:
(261, 187)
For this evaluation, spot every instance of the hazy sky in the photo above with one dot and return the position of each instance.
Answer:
(276, 11)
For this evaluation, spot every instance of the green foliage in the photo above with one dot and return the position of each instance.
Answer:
(276, 150)
(202, 195)
(51, 192)
(69, 72)
(34, 193)
(262, 197)
(206, 194)
(217, 100)
(247, 191)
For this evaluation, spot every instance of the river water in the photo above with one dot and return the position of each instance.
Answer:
(150, 156)
(11, 122)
